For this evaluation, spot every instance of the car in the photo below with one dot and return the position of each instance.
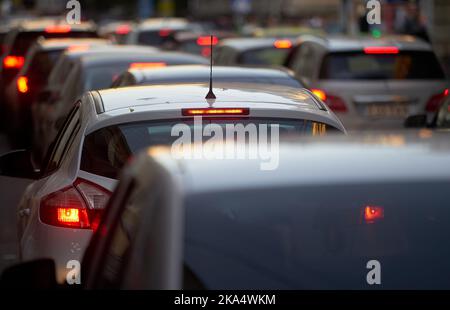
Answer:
(200, 74)
(116, 31)
(371, 83)
(252, 51)
(20, 38)
(311, 224)
(156, 31)
(59, 211)
(32, 77)
(92, 71)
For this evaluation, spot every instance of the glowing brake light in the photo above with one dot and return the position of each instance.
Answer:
(13, 62)
(147, 65)
(22, 84)
(206, 41)
(165, 32)
(123, 29)
(78, 206)
(282, 44)
(373, 214)
(58, 29)
(381, 50)
(215, 111)
(335, 103)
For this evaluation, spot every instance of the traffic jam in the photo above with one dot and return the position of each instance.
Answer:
(196, 151)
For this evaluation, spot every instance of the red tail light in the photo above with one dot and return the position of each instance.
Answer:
(435, 102)
(165, 32)
(373, 214)
(123, 29)
(58, 29)
(78, 48)
(206, 41)
(216, 112)
(77, 206)
(22, 84)
(333, 102)
(13, 62)
(381, 50)
(282, 44)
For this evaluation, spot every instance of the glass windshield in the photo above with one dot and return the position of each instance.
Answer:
(315, 237)
(266, 56)
(107, 150)
(361, 66)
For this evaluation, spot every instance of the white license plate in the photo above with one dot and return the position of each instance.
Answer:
(387, 110)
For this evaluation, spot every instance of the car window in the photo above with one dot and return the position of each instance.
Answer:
(65, 139)
(402, 66)
(264, 56)
(105, 151)
(41, 65)
(303, 63)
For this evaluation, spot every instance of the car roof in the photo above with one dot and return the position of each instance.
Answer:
(141, 56)
(199, 71)
(158, 23)
(42, 23)
(111, 49)
(242, 44)
(185, 95)
(348, 43)
(367, 158)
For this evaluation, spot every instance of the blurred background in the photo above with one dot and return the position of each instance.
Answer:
(427, 19)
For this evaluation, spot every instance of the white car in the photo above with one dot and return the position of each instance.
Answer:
(59, 211)
(371, 83)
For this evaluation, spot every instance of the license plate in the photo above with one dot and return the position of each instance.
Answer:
(387, 110)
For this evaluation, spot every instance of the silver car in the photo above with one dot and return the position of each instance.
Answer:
(371, 83)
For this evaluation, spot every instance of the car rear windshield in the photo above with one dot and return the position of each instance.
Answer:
(24, 40)
(41, 66)
(264, 56)
(361, 66)
(106, 151)
(317, 237)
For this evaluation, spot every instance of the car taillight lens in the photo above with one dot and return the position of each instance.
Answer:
(206, 41)
(58, 29)
(373, 214)
(282, 44)
(123, 29)
(333, 102)
(215, 111)
(78, 206)
(381, 50)
(13, 62)
(147, 65)
(435, 102)
(165, 32)
(22, 84)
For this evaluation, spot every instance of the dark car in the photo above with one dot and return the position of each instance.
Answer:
(252, 51)
(200, 74)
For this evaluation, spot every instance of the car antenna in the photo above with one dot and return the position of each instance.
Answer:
(211, 94)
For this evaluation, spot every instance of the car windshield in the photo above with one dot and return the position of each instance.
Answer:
(316, 237)
(361, 66)
(264, 56)
(107, 150)
(100, 77)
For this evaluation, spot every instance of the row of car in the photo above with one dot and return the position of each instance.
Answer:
(180, 223)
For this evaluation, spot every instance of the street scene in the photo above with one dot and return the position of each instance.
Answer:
(225, 145)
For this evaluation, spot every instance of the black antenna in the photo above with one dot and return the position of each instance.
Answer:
(210, 94)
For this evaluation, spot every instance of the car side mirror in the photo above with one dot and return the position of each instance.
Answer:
(39, 274)
(17, 164)
(416, 121)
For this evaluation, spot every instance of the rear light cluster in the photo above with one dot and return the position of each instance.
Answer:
(13, 62)
(206, 41)
(79, 206)
(435, 101)
(381, 50)
(22, 84)
(215, 111)
(333, 102)
(165, 32)
(123, 29)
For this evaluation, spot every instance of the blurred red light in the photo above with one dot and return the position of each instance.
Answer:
(13, 62)
(373, 214)
(282, 44)
(381, 50)
(206, 41)
(58, 29)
